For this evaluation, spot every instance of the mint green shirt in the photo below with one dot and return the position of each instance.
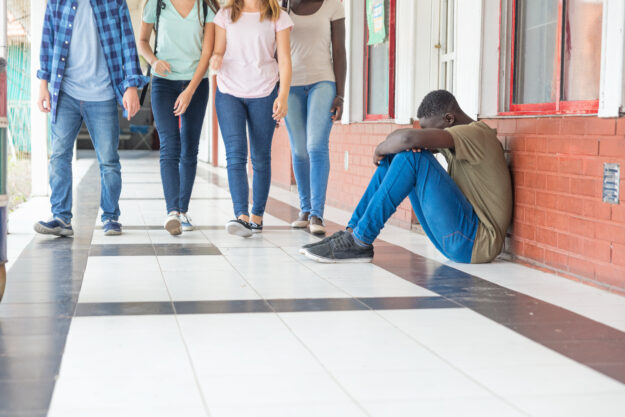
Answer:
(179, 38)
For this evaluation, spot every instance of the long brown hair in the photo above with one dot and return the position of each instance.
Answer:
(269, 9)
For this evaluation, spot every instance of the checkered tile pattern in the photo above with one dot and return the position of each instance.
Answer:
(116, 37)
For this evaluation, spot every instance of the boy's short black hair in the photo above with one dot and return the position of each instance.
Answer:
(437, 103)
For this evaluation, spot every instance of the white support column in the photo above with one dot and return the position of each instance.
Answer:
(612, 90)
(354, 85)
(38, 120)
(468, 55)
(405, 61)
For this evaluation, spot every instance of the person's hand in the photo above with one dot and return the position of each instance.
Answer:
(216, 61)
(280, 107)
(337, 108)
(182, 102)
(43, 102)
(377, 156)
(131, 101)
(161, 67)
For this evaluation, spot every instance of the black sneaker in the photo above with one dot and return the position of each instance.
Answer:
(342, 249)
(322, 241)
(239, 227)
(256, 228)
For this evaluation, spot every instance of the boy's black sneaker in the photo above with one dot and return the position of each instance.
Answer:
(322, 241)
(239, 227)
(342, 249)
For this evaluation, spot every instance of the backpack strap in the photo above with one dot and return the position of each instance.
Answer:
(159, 7)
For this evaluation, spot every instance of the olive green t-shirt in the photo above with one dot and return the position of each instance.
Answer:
(478, 166)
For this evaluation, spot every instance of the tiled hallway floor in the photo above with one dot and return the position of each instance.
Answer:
(208, 324)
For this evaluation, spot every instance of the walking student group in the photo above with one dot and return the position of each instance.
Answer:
(272, 60)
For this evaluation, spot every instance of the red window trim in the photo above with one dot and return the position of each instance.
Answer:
(557, 107)
(391, 87)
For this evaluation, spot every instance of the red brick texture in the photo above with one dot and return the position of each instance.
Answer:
(560, 221)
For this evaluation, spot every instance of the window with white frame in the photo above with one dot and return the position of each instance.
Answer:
(446, 45)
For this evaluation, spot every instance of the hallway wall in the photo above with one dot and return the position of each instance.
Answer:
(560, 221)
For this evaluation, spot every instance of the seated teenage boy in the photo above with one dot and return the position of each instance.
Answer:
(465, 212)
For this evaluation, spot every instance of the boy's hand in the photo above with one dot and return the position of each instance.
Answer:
(43, 102)
(131, 101)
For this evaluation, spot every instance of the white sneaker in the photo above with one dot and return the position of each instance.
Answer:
(185, 219)
(173, 224)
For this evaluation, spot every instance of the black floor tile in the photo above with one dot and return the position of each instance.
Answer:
(407, 303)
(186, 250)
(124, 309)
(146, 249)
(316, 304)
(25, 396)
(221, 307)
(29, 368)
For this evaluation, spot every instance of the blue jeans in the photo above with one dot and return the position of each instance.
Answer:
(103, 125)
(443, 211)
(234, 114)
(309, 123)
(179, 142)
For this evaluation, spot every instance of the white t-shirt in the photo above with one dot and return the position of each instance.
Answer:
(311, 44)
(249, 68)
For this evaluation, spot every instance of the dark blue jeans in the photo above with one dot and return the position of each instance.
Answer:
(234, 114)
(103, 125)
(179, 142)
(443, 211)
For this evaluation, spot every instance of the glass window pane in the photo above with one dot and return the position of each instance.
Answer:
(581, 57)
(535, 51)
(379, 71)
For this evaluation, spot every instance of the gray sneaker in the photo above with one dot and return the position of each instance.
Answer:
(343, 249)
(322, 241)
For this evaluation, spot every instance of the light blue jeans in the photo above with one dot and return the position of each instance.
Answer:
(103, 125)
(309, 123)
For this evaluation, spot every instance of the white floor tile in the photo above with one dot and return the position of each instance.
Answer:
(208, 285)
(163, 237)
(312, 409)
(359, 341)
(131, 396)
(202, 263)
(128, 237)
(270, 389)
(403, 385)
(443, 407)
(595, 405)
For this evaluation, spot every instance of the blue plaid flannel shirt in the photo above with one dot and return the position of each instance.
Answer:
(116, 37)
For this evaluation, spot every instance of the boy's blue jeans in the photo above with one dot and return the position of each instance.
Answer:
(309, 123)
(443, 211)
(103, 125)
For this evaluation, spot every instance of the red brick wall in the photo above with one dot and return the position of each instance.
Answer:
(560, 222)
(344, 187)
